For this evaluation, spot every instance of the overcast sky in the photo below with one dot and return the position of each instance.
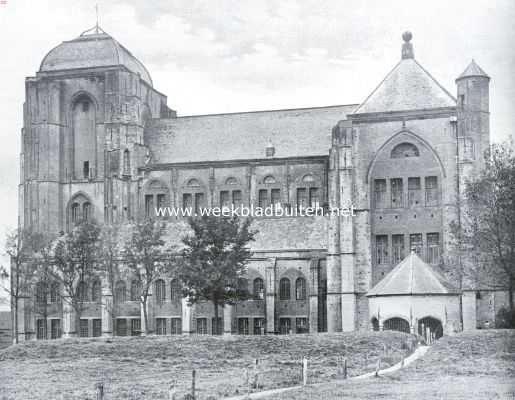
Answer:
(223, 56)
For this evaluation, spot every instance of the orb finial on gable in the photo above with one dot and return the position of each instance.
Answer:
(407, 47)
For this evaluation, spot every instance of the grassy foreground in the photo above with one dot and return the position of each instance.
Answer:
(143, 368)
(479, 365)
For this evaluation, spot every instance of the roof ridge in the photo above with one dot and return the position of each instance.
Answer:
(260, 111)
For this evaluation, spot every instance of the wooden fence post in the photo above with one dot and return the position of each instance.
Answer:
(193, 377)
(305, 371)
(100, 391)
(256, 373)
(172, 392)
(378, 367)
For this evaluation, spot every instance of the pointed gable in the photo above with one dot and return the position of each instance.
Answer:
(407, 87)
(412, 276)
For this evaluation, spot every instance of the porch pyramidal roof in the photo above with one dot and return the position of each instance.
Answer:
(412, 276)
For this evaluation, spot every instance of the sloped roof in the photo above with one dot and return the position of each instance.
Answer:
(97, 49)
(412, 276)
(472, 70)
(238, 136)
(407, 87)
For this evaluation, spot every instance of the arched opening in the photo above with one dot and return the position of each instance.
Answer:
(135, 290)
(126, 163)
(405, 149)
(160, 287)
(82, 291)
(156, 194)
(300, 289)
(396, 324)
(84, 138)
(375, 324)
(96, 291)
(259, 289)
(175, 290)
(430, 326)
(80, 210)
(120, 292)
(284, 289)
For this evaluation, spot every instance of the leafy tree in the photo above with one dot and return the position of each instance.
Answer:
(75, 263)
(26, 250)
(487, 230)
(214, 260)
(146, 258)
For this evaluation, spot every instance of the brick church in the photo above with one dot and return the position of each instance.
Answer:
(100, 142)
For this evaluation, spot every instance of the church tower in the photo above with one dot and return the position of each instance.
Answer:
(84, 120)
(472, 140)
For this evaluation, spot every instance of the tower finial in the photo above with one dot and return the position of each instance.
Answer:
(96, 11)
(407, 47)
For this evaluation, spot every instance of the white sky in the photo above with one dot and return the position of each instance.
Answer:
(216, 56)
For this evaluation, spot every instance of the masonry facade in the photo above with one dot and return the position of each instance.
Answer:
(99, 141)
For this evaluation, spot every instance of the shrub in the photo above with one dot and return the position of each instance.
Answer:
(505, 318)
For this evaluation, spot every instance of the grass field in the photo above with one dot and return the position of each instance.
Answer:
(143, 368)
(479, 365)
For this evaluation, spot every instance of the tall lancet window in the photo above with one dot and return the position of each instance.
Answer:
(84, 138)
(126, 163)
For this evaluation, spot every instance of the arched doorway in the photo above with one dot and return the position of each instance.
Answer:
(396, 324)
(434, 325)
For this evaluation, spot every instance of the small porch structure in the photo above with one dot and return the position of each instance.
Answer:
(415, 298)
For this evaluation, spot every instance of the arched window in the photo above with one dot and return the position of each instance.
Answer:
(81, 209)
(86, 211)
(193, 183)
(175, 290)
(284, 289)
(259, 289)
(41, 292)
(269, 180)
(75, 213)
(155, 197)
(135, 290)
(375, 324)
(308, 178)
(300, 289)
(96, 291)
(231, 181)
(160, 291)
(120, 292)
(82, 291)
(54, 292)
(243, 285)
(405, 150)
(126, 162)
(84, 146)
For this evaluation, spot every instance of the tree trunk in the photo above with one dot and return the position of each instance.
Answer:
(15, 327)
(145, 314)
(215, 304)
(77, 321)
